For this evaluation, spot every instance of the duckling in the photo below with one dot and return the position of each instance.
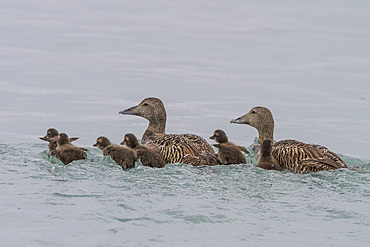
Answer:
(266, 160)
(51, 137)
(293, 155)
(121, 155)
(174, 148)
(66, 152)
(148, 156)
(228, 152)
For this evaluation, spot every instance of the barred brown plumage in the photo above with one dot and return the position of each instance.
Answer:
(175, 148)
(293, 155)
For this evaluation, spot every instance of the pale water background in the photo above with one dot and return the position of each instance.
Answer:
(73, 65)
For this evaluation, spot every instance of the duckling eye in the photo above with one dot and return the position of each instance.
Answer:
(145, 104)
(253, 112)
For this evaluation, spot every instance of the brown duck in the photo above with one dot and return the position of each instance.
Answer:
(148, 156)
(228, 152)
(52, 137)
(121, 155)
(67, 152)
(293, 155)
(266, 160)
(174, 148)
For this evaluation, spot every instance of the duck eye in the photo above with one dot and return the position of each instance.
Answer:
(253, 111)
(145, 104)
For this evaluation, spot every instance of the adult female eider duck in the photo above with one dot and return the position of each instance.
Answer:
(66, 152)
(293, 155)
(174, 148)
(148, 156)
(228, 152)
(121, 155)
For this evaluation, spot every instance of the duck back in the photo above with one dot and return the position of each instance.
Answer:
(124, 157)
(229, 153)
(184, 148)
(300, 157)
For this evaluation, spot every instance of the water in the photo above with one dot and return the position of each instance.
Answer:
(95, 203)
(73, 65)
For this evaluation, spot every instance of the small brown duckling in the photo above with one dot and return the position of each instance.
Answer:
(148, 156)
(228, 152)
(67, 152)
(266, 161)
(52, 137)
(121, 155)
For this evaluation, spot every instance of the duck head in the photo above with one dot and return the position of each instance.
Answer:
(151, 109)
(219, 136)
(260, 118)
(102, 142)
(50, 134)
(130, 141)
(63, 139)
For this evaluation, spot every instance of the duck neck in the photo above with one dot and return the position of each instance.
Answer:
(266, 132)
(155, 128)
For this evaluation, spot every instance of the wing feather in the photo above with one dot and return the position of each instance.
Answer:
(300, 157)
(185, 148)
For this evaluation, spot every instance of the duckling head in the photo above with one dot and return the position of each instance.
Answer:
(130, 141)
(260, 118)
(102, 142)
(63, 139)
(151, 109)
(50, 134)
(219, 136)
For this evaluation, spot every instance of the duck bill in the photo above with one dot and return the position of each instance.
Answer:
(129, 111)
(72, 139)
(240, 120)
(45, 138)
(122, 143)
(96, 144)
(236, 121)
(212, 137)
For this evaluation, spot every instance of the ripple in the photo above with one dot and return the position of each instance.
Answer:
(97, 193)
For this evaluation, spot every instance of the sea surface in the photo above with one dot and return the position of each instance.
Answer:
(73, 65)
